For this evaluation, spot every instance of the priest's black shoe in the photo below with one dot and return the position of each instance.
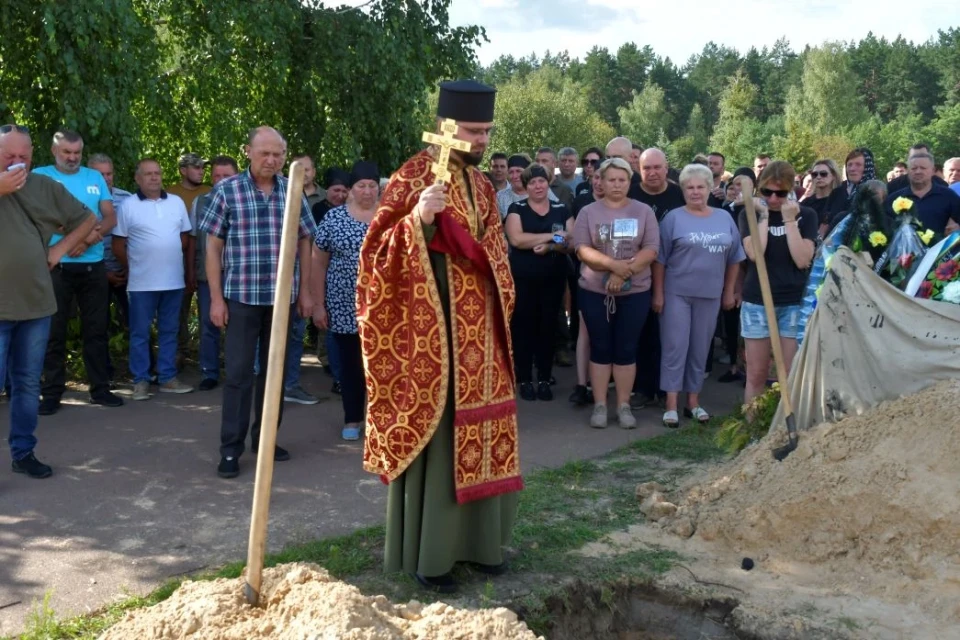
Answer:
(490, 569)
(440, 584)
(31, 467)
(527, 392)
(544, 392)
(207, 384)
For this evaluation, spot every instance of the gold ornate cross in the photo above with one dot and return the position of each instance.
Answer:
(446, 142)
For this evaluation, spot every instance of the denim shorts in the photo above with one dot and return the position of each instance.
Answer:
(753, 321)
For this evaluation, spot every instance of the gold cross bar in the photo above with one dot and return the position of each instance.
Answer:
(446, 142)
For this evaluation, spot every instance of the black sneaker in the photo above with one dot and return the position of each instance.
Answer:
(106, 399)
(581, 396)
(527, 391)
(207, 384)
(279, 453)
(640, 401)
(48, 406)
(229, 467)
(544, 392)
(336, 388)
(439, 584)
(32, 467)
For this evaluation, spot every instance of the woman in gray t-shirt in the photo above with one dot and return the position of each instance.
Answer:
(696, 270)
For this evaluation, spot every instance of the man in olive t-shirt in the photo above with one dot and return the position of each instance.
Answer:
(32, 209)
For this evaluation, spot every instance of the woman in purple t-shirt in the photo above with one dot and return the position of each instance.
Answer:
(616, 239)
(696, 271)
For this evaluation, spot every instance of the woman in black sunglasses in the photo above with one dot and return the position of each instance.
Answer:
(788, 232)
(826, 178)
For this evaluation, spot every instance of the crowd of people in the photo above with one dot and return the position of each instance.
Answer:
(623, 267)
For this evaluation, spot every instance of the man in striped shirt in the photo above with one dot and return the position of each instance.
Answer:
(243, 224)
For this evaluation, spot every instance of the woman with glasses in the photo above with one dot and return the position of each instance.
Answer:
(590, 162)
(787, 232)
(822, 191)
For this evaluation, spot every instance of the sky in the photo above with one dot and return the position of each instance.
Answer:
(680, 28)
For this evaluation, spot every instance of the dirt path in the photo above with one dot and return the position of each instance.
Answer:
(135, 498)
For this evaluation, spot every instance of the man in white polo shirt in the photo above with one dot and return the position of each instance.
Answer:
(150, 240)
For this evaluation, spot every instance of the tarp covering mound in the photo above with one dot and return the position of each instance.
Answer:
(868, 342)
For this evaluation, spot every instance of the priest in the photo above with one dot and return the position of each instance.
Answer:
(434, 300)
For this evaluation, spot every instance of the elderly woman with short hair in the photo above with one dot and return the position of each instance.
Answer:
(616, 239)
(695, 273)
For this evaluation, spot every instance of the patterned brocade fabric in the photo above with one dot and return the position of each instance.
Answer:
(403, 331)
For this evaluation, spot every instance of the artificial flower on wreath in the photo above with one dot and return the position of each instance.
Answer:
(901, 205)
(944, 275)
(927, 236)
(878, 239)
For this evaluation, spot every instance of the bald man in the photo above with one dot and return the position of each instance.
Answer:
(621, 147)
(33, 208)
(243, 223)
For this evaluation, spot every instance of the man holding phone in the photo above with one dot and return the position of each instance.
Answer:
(32, 207)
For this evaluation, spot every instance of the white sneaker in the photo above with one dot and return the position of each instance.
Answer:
(598, 420)
(625, 416)
(141, 390)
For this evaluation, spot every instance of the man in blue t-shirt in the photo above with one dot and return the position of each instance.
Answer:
(81, 275)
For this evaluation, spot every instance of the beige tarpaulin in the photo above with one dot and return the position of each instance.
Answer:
(867, 342)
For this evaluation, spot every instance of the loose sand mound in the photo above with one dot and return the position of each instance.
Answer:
(873, 501)
(302, 601)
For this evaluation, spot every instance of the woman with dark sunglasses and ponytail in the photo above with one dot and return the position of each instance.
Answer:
(788, 232)
(822, 194)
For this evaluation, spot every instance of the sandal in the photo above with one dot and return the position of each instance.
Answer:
(671, 420)
(697, 413)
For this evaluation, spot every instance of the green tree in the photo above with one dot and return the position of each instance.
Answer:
(827, 101)
(646, 119)
(737, 105)
(598, 78)
(531, 113)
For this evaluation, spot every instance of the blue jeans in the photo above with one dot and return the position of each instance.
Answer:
(209, 335)
(23, 345)
(333, 356)
(145, 306)
(298, 328)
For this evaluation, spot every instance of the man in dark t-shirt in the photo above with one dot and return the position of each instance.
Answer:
(655, 190)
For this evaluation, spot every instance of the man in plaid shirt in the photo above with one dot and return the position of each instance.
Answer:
(243, 223)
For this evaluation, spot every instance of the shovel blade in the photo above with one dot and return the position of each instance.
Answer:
(780, 453)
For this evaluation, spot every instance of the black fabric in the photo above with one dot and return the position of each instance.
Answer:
(517, 161)
(662, 203)
(787, 282)
(319, 210)
(533, 326)
(903, 182)
(827, 206)
(353, 391)
(647, 381)
(363, 170)
(524, 262)
(934, 210)
(635, 191)
(242, 390)
(466, 101)
(85, 283)
(582, 200)
(582, 188)
(335, 176)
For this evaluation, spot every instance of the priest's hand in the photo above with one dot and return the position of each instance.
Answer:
(433, 200)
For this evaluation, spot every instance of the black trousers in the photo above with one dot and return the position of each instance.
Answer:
(728, 325)
(247, 326)
(534, 324)
(353, 384)
(87, 284)
(573, 283)
(647, 381)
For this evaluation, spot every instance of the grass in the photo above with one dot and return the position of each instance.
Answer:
(561, 510)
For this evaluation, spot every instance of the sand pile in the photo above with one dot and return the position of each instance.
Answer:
(302, 601)
(872, 500)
